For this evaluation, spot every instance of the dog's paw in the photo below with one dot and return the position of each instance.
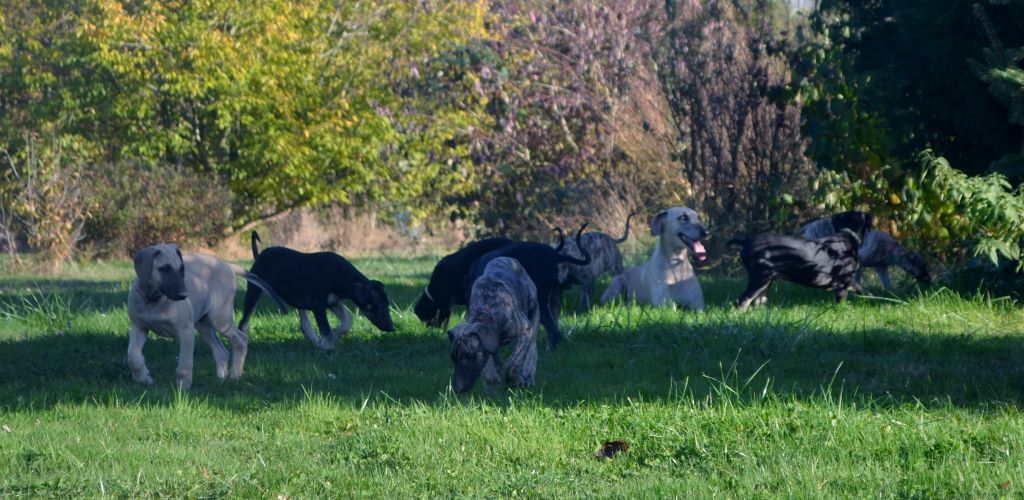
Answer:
(184, 383)
(143, 378)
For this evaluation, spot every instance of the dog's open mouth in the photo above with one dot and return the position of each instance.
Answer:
(696, 247)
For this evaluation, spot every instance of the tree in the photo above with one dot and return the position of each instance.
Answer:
(896, 76)
(293, 102)
(1003, 72)
(727, 78)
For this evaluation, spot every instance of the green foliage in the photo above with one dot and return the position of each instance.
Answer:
(293, 103)
(887, 79)
(932, 205)
(136, 205)
(1003, 72)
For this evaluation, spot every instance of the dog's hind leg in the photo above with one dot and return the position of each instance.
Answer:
(239, 343)
(136, 339)
(220, 353)
(550, 324)
(883, 274)
(326, 338)
(252, 296)
(756, 287)
(586, 290)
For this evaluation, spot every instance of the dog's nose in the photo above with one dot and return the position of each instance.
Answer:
(704, 233)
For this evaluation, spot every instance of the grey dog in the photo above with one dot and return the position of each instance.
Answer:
(502, 309)
(878, 251)
(172, 296)
(604, 257)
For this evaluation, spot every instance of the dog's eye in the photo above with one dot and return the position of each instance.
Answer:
(166, 268)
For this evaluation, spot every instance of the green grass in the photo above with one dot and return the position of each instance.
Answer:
(917, 395)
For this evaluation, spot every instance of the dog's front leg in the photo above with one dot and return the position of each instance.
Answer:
(616, 289)
(521, 364)
(186, 351)
(492, 373)
(137, 363)
(345, 320)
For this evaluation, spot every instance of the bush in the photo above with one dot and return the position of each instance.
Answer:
(932, 205)
(138, 204)
(43, 199)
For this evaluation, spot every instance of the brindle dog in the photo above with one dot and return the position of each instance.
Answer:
(503, 309)
(878, 251)
(604, 257)
(830, 262)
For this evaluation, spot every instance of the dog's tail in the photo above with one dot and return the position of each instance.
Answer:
(263, 285)
(579, 244)
(625, 235)
(561, 239)
(255, 248)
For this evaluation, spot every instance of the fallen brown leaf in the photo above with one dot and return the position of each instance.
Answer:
(610, 448)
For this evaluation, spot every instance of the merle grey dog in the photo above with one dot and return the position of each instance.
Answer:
(318, 282)
(173, 296)
(830, 262)
(446, 285)
(604, 257)
(503, 309)
(541, 264)
(878, 251)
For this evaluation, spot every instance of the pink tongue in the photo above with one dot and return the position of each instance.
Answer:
(699, 250)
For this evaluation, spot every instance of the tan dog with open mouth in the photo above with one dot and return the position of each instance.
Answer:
(668, 274)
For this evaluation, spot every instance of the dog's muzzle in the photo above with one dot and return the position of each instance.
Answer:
(695, 246)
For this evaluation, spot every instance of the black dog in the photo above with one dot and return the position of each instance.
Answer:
(317, 282)
(447, 287)
(830, 262)
(541, 264)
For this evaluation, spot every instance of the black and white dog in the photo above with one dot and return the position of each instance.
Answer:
(830, 262)
(446, 286)
(541, 264)
(317, 282)
(503, 309)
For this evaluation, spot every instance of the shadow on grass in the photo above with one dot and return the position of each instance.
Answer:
(600, 363)
(104, 296)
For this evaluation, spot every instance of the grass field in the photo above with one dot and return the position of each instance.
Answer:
(918, 395)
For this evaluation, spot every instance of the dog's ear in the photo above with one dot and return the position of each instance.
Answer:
(361, 292)
(658, 223)
(144, 262)
(490, 342)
